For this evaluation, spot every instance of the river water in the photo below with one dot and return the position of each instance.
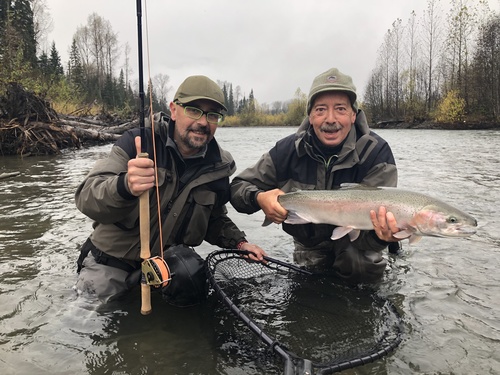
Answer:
(447, 289)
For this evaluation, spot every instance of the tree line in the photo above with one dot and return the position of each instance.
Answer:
(92, 80)
(439, 67)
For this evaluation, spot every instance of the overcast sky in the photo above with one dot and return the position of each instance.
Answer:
(270, 46)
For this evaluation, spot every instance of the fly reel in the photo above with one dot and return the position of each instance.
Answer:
(156, 271)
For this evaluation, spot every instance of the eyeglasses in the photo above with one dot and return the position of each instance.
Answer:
(196, 113)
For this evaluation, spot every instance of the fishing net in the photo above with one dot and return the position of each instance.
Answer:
(315, 325)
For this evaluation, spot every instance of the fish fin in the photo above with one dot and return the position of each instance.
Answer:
(347, 185)
(414, 239)
(354, 234)
(294, 218)
(266, 222)
(353, 185)
(403, 234)
(406, 233)
(340, 232)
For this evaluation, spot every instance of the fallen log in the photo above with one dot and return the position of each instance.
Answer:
(120, 129)
(101, 127)
(9, 174)
(91, 135)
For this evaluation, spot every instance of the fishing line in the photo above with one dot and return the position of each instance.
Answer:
(155, 271)
(151, 115)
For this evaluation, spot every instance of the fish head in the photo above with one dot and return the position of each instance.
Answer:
(444, 221)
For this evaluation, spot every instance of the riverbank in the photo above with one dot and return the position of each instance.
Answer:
(45, 138)
(466, 125)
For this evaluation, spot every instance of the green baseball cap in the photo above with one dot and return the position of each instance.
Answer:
(332, 80)
(199, 87)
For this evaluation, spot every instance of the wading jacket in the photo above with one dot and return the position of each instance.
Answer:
(295, 164)
(193, 193)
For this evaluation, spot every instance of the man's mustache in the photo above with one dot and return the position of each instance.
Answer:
(330, 128)
(200, 129)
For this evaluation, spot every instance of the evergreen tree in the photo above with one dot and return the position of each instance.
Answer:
(22, 18)
(226, 96)
(4, 9)
(230, 104)
(11, 45)
(43, 64)
(55, 62)
(121, 93)
(251, 102)
(242, 105)
(108, 92)
(75, 69)
(151, 99)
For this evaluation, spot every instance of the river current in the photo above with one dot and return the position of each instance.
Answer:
(447, 289)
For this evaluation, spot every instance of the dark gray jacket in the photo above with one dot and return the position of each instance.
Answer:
(295, 164)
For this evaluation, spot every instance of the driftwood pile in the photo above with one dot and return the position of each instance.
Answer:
(29, 126)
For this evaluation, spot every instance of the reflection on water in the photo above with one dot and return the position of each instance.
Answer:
(447, 289)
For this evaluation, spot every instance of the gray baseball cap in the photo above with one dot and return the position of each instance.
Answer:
(199, 87)
(332, 80)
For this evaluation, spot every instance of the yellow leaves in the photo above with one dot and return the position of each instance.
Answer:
(451, 108)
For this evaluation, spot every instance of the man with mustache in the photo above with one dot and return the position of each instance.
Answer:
(193, 187)
(332, 146)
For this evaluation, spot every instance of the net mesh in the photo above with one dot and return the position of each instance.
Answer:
(311, 321)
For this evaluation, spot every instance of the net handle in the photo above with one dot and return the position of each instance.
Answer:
(275, 345)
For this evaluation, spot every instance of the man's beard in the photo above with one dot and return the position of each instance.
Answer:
(189, 137)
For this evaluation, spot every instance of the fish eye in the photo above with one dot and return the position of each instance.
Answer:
(452, 219)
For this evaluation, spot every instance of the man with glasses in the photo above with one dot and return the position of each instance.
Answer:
(192, 174)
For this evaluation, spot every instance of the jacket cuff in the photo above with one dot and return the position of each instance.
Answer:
(121, 187)
(253, 199)
(235, 243)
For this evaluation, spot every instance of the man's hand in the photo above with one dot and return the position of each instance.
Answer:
(257, 253)
(385, 225)
(268, 202)
(140, 173)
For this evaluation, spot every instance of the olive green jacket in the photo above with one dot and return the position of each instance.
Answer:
(192, 203)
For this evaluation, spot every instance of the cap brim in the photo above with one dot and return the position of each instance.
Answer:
(352, 95)
(189, 99)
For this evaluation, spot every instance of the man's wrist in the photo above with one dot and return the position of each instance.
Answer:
(240, 244)
(253, 198)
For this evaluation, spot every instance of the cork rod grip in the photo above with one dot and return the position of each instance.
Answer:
(144, 227)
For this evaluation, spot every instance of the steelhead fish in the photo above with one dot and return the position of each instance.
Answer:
(349, 208)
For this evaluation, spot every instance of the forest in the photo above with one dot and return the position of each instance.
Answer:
(443, 66)
(439, 67)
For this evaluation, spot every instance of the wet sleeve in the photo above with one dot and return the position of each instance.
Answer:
(103, 196)
(246, 185)
(222, 231)
(383, 171)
